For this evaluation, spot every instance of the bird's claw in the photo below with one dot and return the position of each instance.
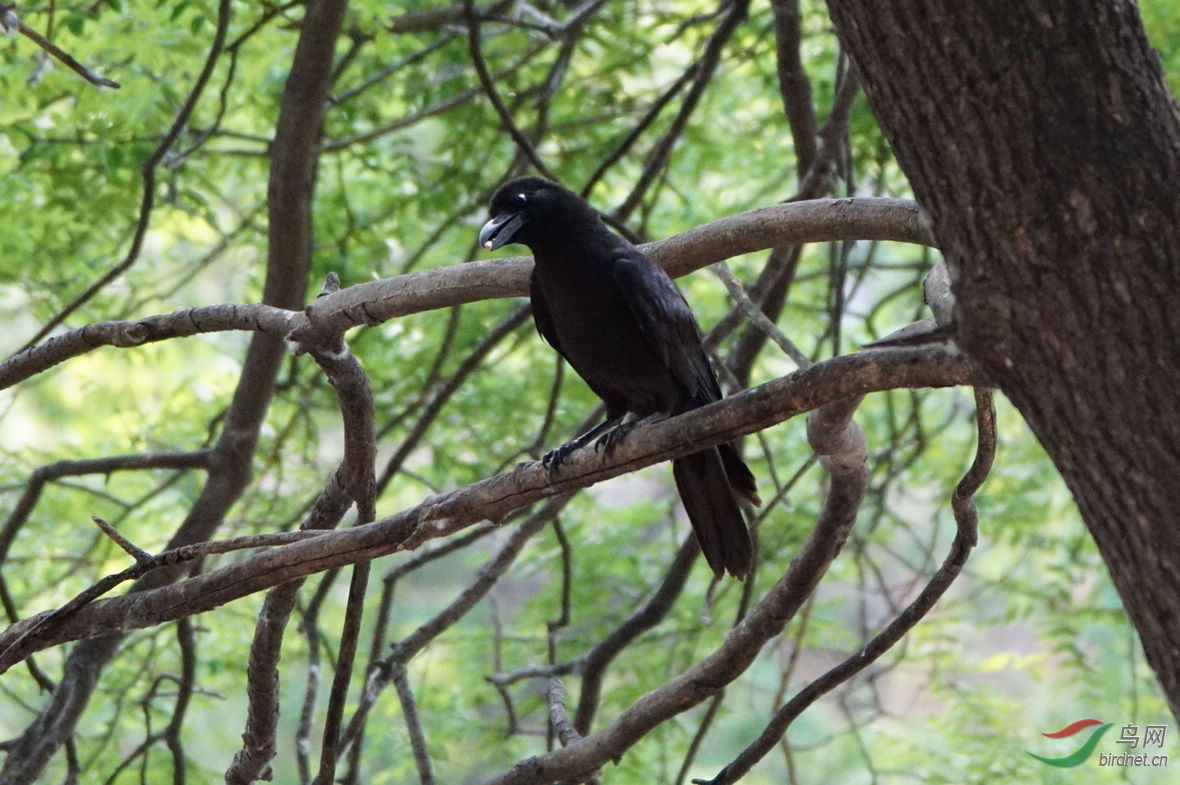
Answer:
(556, 457)
(610, 440)
(605, 443)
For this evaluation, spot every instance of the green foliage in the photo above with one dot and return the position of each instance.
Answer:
(1030, 638)
(1163, 30)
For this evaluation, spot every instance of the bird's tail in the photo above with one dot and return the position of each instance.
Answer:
(707, 481)
(741, 479)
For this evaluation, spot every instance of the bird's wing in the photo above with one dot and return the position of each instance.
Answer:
(541, 316)
(667, 322)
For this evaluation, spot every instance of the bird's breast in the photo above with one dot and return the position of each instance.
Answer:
(601, 338)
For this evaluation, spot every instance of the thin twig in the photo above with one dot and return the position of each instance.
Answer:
(470, 364)
(10, 21)
(148, 173)
(523, 144)
(45, 624)
(198, 459)
(428, 631)
(657, 159)
(413, 724)
(694, 746)
(757, 317)
(558, 719)
(309, 621)
(139, 554)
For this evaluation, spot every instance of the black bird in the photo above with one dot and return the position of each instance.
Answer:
(620, 322)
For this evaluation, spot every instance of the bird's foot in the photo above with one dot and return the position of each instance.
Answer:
(615, 431)
(556, 457)
(610, 440)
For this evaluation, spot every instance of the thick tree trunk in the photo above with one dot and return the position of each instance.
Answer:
(1044, 144)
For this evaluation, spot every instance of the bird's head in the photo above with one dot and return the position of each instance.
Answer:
(520, 207)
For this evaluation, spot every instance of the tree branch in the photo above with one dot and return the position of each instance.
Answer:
(703, 72)
(352, 483)
(834, 430)
(148, 172)
(10, 21)
(523, 144)
(495, 497)
(73, 468)
(819, 220)
(966, 518)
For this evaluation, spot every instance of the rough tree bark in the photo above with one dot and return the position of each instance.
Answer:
(1045, 145)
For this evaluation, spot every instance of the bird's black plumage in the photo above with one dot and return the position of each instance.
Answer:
(620, 322)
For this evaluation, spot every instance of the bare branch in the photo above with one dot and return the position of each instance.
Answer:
(133, 550)
(413, 724)
(741, 646)
(523, 144)
(309, 621)
(437, 18)
(566, 732)
(289, 194)
(628, 141)
(965, 539)
(445, 105)
(148, 171)
(353, 482)
(10, 21)
(794, 86)
(73, 468)
(757, 317)
(371, 303)
(592, 666)
(704, 69)
(448, 388)
(487, 577)
(814, 181)
(442, 515)
(187, 644)
(818, 220)
(349, 636)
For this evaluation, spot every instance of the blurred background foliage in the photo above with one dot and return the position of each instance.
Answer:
(1029, 639)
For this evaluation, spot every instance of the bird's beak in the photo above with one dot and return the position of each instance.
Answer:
(498, 231)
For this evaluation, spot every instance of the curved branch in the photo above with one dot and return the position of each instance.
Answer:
(832, 430)
(592, 665)
(10, 21)
(495, 497)
(353, 482)
(818, 220)
(198, 459)
(966, 518)
(813, 221)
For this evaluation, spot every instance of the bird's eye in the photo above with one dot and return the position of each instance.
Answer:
(521, 198)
